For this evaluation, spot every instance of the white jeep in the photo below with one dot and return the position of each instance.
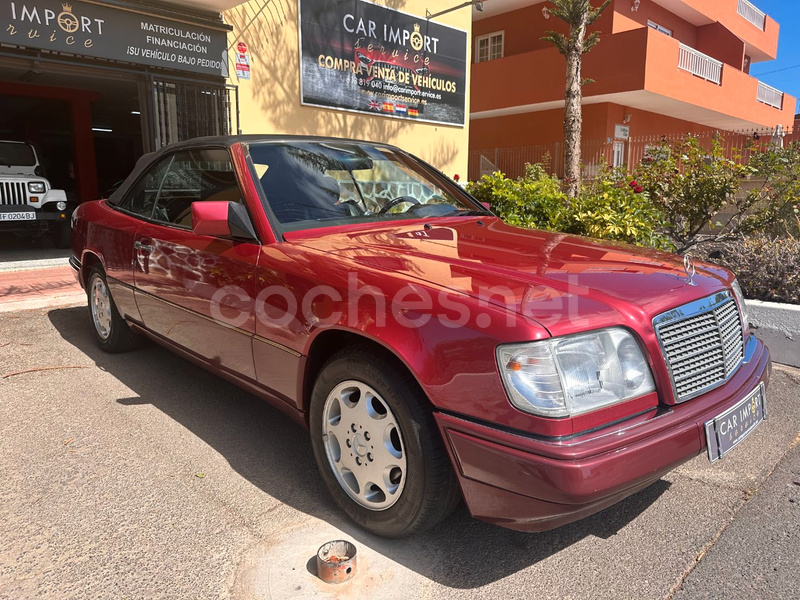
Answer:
(28, 205)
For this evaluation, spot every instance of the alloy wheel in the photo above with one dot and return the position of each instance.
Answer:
(364, 445)
(100, 303)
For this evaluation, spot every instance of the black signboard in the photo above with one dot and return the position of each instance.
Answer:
(104, 32)
(361, 57)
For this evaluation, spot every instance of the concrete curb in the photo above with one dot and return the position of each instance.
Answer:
(30, 303)
(779, 326)
(27, 265)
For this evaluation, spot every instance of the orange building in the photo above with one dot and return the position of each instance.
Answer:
(662, 68)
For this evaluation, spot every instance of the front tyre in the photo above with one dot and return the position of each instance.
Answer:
(377, 446)
(110, 330)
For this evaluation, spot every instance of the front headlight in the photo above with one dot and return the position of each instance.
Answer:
(737, 291)
(568, 376)
(36, 187)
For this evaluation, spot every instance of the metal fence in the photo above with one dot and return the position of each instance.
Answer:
(182, 111)
(599, 154)
(512, 161)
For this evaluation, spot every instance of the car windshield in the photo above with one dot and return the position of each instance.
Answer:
(319, 184)
(16, 154)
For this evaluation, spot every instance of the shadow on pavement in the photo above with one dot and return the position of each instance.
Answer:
(271, 452)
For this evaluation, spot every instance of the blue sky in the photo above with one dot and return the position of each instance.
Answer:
(786, 13)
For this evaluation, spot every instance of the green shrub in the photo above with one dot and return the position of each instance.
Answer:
(614, 207)
(534, 200)
(768, 268)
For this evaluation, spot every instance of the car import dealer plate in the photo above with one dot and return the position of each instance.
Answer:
(736, 423)
(18, 216)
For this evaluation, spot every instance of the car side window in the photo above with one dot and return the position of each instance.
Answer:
(142, 198)
(199, 175)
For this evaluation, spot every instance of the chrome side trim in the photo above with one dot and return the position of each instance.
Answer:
(210, 319)
(264, 340)
(120, 282)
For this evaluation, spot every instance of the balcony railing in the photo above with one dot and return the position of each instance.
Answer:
(770, 96)
(700, 64)
(750, 12)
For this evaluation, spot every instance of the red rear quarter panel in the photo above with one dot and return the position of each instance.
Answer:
(106, 236)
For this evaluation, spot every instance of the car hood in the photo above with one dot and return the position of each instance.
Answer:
(16, 172)
(566, 283)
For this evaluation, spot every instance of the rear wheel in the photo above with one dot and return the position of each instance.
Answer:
(111, 331)
(377, 446)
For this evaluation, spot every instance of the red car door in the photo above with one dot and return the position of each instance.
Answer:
(116, 232)
(197, 290)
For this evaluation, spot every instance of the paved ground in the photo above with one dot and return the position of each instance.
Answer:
(758, 555)
(17, 253)
(142, 476)
(33, 274)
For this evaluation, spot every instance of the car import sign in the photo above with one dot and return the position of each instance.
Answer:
(360, 57)
(100, 31)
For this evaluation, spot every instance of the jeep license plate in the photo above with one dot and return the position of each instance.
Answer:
(731, 427)
(18, 216)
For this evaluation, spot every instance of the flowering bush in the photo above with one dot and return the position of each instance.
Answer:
(682, 197)
(615, 208)
(612, 207)
(636, 187)
(700, 190)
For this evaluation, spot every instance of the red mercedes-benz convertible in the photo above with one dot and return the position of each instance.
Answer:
(434, 352)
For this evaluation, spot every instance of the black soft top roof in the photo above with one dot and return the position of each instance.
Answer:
(224, 141)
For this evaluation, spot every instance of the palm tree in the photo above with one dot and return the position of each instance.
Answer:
(578, 14)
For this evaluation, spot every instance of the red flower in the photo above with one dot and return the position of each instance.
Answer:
(638, 189)
(456, 177)
(633, 184)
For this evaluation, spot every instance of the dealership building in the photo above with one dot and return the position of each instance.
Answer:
(95, 84)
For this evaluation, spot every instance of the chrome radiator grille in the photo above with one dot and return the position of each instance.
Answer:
(702, 343)
(12, 193)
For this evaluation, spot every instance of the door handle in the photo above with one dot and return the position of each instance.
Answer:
(143, 247)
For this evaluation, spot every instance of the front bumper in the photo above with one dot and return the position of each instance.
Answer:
(45, 219)
(77, 269)
(533, 483)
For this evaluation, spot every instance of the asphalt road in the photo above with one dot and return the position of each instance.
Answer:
(142, 476)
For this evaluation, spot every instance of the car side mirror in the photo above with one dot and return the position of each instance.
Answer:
(222, 219)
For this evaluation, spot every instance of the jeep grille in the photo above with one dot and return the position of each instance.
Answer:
(12, 193)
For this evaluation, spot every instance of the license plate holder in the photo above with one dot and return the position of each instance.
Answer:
(28, 215)
(725, 431)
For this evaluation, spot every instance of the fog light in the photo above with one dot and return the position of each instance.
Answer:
(61, 205)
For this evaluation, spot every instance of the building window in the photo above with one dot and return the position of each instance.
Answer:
(657, 27)
(489, 47)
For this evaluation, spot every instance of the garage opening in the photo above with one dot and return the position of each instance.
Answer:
(90, 126)
(87, 130)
